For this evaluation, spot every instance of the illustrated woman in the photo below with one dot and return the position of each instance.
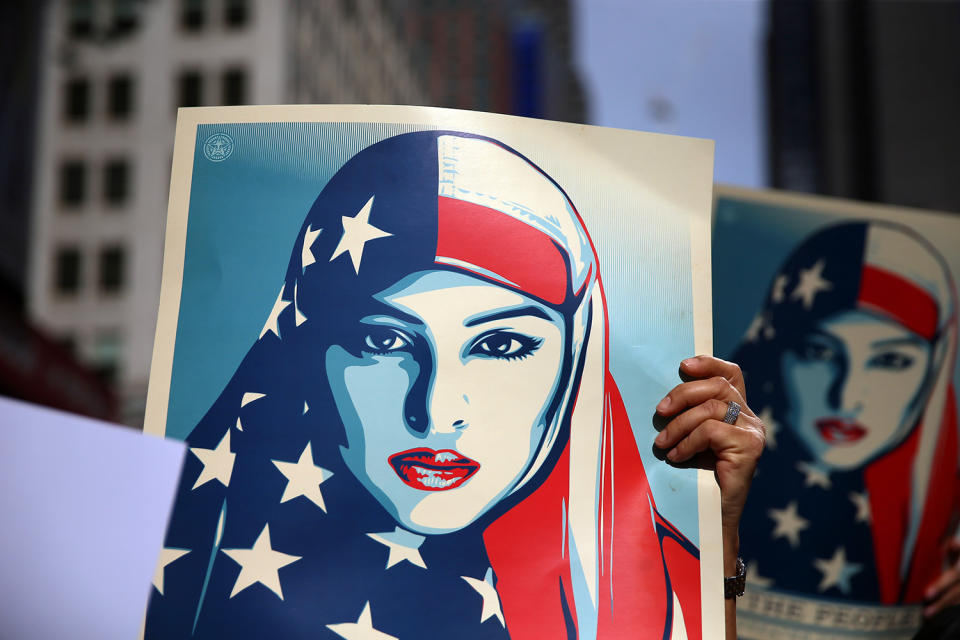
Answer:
(425, 441)
(853, 356)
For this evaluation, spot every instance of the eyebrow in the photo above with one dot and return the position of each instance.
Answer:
(384, 310)
(886, 342)
(529, 310)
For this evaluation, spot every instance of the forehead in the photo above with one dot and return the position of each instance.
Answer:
(863, 327)
(448, 295)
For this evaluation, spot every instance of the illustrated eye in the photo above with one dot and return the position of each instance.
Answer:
(506, 345)
(891, 360)
(817, 352)
(382, 340)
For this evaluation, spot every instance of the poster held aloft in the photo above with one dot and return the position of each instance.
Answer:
(845, 327)
(413, 407)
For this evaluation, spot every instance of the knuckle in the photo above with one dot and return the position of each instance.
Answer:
(756, 442)
(715, 406)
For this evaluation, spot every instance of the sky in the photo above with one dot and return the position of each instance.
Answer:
(685, 67)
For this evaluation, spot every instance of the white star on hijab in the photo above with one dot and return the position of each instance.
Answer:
(306, 255)
(166, 557)
(862, 502)
(357, 231)
(217, 463)
(811, 283)
(756, 326)
(766, 417)
(260, 563)
(303, 478)
(814, 476)
(491, 601)
(779, 286)
(272, 325)
(362, 629)
(403, 545)
(836, 571)
(249, 397)
(789, 523)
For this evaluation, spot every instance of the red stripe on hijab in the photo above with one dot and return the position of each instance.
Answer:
(523, 257)
(900, 299)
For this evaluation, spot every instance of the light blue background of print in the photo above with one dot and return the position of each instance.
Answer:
(246, 211)
(772, 232)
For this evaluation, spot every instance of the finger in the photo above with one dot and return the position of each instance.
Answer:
(943, 582)
(953, 546)
(686, 422)
(689, 394)
(948, 598)
(718, 437)
(708, 366)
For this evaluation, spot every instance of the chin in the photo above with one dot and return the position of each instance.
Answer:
(846, 459)
(439, 514)
(430, 526)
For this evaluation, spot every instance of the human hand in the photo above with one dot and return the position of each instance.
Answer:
(944, 592)
(697, 409)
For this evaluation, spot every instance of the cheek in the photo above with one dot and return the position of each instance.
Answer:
(507, 403)
(369, 396)
(807, 385)
(892, 394)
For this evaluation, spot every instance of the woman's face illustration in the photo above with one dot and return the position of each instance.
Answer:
(853, 385)
(444, 391)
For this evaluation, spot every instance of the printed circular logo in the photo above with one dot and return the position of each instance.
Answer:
(218, 147)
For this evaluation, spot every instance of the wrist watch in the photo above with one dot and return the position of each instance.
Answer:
(733, 586)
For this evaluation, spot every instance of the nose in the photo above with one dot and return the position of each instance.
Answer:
(447, 400)
(436, 401)
(849, 390)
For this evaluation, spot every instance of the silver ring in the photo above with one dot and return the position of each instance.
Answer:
(733, 412)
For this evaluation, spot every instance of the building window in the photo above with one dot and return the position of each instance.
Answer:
(236, 13)
(76, 100)
(112, 264)
(105, 354)
(69, 343)
(80, 18)
(73, 179)
(120, 96)
(116, 182)
(234, 86)
(67, 270)
(124, 16)
(192, 14)
(190, 89)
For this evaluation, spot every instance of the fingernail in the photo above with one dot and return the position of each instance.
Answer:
(664, 404)
(660, 439)
(688, 362)
(929, 611)
(673, 455)
(929, 593)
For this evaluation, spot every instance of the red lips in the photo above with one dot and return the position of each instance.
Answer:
(839, 431)
(431, 470)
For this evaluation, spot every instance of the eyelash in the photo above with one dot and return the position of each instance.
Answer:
(402, 342)
(368, 341)
(528, 345)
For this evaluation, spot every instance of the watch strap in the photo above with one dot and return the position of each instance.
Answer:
(734, 586)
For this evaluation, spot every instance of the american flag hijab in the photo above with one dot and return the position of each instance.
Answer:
(273, 536)
(875, 532)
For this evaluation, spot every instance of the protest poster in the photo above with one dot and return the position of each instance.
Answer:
(413, 410)
(843, 318)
